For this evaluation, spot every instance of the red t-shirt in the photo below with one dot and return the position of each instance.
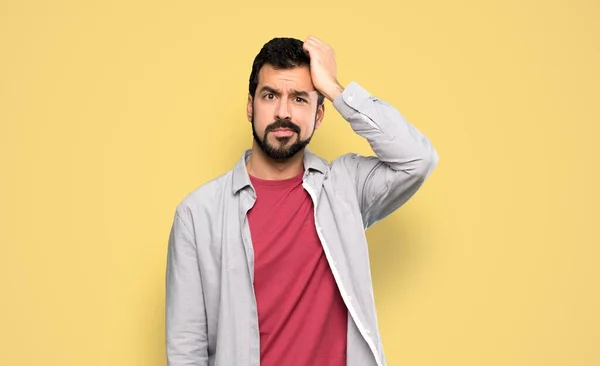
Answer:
(302, 317)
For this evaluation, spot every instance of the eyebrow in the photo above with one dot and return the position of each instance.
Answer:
(293, 92)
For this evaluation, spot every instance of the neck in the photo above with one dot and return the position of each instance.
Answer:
(262, 166)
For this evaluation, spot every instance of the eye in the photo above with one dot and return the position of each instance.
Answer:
(301, 100)
(269, 96)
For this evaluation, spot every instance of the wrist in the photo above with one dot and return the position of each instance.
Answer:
(333, 91)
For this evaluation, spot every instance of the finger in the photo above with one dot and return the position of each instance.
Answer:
(315, 39)
(309, 47)
(319, 42)
(312, 43)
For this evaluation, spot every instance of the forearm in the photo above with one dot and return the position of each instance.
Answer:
(397, 143)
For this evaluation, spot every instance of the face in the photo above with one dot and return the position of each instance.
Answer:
(283, 111)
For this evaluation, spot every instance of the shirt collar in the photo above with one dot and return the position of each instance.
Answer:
(241, 179)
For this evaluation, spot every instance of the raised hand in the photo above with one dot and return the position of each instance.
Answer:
(323, 68)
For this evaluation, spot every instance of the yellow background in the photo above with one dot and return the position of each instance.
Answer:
(112, 111)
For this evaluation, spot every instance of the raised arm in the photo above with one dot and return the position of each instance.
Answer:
(404, 156)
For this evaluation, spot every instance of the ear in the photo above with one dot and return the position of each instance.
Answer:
(249, 108)
(320, 115)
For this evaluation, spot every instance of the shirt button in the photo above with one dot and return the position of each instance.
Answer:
(350, 98)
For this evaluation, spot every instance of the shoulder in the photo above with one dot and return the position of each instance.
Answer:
(205, 198)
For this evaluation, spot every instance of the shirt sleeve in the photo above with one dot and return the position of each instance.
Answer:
(404, 157)
(186, 326)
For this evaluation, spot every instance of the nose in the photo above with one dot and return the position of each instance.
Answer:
(283, 110)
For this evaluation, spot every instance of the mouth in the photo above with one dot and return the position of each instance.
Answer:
(282, 132)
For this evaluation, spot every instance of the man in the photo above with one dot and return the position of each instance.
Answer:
(268, 263)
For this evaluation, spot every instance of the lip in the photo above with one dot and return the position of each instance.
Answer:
(282, 132)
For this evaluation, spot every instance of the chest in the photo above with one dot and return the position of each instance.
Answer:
(282, 228)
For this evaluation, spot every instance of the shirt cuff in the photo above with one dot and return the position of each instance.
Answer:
(351, 99)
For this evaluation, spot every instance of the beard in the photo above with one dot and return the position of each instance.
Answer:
(281, 151)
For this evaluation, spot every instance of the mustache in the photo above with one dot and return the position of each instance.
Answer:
(282, 123)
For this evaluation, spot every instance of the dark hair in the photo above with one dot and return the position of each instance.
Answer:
(281, 53)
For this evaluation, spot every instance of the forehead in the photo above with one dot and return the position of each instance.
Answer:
(297, 78)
